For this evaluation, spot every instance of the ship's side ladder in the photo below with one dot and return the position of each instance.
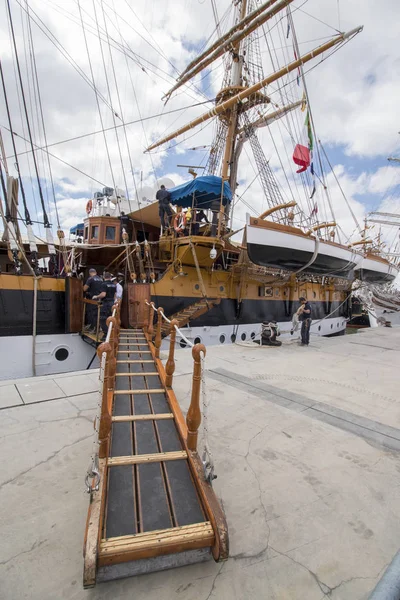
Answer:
(152, 506)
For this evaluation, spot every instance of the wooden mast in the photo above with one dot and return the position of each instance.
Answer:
(243, 23)
(244, 94)
(232, 115)
(230, 42)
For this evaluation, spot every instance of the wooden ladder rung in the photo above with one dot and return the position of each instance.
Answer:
(137, 459)
(133, 344)
(134, 362)
(157, 538)
(131, 351)
(155, 391)
(151, 417)
(143, 373)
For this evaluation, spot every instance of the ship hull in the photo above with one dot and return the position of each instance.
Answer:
(248, 332)
(283, 250)
(17, 304)
(375, 271)
(50, 354)
(249, 311)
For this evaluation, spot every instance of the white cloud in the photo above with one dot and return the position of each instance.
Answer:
(354, 96)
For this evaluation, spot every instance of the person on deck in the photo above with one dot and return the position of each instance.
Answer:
(304, 313)
(119, 289)
(90, 289)
(126, 223)
(107, 295)
(199, 217)
(164, 210)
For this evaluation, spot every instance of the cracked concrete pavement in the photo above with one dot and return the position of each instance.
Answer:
(313, 510)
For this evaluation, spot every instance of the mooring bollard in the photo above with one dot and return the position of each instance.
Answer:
(193, 418)
(170, 364)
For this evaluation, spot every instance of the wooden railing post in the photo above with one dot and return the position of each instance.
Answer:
(105, 417)
(193, 418)
(114, 337)
(98, 308)
(157, 341)
(170, 365)
(150, 329)
(146, 317)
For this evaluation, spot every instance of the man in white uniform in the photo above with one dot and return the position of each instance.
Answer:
(120, 289)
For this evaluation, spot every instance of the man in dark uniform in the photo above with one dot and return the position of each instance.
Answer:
(127, 224)
(107, 295)
(305, 318)
(164, 210)
(92, 288)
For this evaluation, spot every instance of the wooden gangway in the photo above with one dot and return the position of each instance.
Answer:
(151, 506)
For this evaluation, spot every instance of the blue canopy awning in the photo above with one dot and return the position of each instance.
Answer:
(77, 228)
(206, 190)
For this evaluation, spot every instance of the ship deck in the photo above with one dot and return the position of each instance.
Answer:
(306, 443)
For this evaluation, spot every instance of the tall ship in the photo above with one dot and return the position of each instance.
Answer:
(218, 277)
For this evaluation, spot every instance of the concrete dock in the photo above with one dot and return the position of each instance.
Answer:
(306, 444)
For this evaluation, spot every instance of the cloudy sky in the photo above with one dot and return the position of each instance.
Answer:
(134, 52)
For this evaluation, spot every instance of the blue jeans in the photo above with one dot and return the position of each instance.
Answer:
(305, 331)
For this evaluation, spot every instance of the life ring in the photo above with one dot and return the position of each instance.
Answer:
(180, 222)
(89, 206)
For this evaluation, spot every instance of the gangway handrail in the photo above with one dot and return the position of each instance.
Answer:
(199, 354)
(179, 332)
(92, 479)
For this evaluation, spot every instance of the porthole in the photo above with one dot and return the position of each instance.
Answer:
(331, 325)
(222, 339)
(197, 287)
(319, 327)
(221, 288)
(233, 338)
(252, 335)
(315, 294)
(61, 354)
(243, 337)
(337, 325)
(182, 344)
(197, 340)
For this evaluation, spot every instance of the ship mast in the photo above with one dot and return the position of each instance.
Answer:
(246, 93)
(238, 95)
(232, 115)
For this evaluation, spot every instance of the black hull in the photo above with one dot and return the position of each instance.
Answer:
(16, 312)
(291, 259)
(229, 312)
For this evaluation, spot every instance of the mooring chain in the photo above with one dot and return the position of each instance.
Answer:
(207, 458)
(92, 478)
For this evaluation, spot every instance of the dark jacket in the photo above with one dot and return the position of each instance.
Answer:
(94, 286)
(163, 196)
(109, 287)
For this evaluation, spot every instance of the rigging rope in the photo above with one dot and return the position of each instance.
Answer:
(96, 96)
(45, 217)
(341, 189)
